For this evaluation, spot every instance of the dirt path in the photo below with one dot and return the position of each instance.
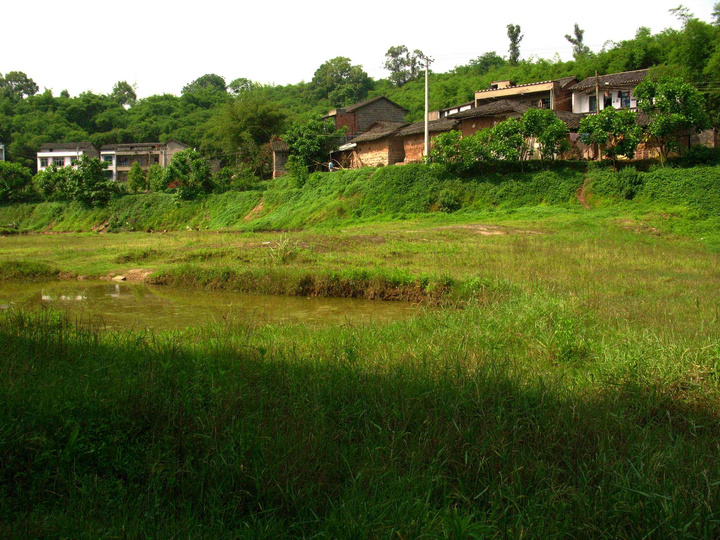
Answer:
(582, 195)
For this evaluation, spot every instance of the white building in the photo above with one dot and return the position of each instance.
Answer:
(2, 152)
(614, 90)
(63, 154)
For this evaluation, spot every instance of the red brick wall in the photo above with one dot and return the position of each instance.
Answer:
(378, 111)
(470, 126)
(414, 147)
(346, 120)
(387, 151)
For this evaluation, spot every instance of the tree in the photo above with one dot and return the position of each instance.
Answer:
(716, 14)
(123, 93)
(189, 174)
(513, 32)
(16, 84)
(241, 129)
(615, 131)
(137, 179)
(207, 83)
(15, 182)
(505, 140)
(403, 65)
(309, 144)
(673, 106)
(457, 152)
(86, 182)
(486, 62)
(240, 85)
(580, 50)
(548, 130)
(340, 82)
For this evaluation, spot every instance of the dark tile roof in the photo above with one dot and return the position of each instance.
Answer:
(279, 146)
(572, 120)
(50, 147)
(436, 126)
(565, 81)
(379, 130)
(361, 104)
(613, 79)
(513, 87)
(500, 106)
(128, 146)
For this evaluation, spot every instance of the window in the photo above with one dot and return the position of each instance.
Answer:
(624, 98)
(123, 161)
(545, 103)
(59, 161)
(43, 162)
(608, 102)
(593, 104)
(107, 159)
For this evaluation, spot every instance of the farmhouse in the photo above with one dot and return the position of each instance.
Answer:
(63, 154)
(120, 157)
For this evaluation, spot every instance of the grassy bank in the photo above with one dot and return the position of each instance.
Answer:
(679, 200)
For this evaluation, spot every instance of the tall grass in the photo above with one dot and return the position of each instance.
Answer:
(521, 418)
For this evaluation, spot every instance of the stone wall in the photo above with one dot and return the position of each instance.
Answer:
(414, 146)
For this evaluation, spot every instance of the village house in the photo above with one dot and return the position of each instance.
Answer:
(555, 95)
(63, 154)
(488, 115)
(120, 157)
(377, 146)
(413, 137)
(359, 117)
(615, 90)
(2, 152)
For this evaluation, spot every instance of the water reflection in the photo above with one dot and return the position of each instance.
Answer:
(121, 305)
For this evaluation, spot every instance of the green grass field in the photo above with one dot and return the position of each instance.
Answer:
(568, 386)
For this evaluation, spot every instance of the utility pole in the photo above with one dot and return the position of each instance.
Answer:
(596, 148)
(426, 150)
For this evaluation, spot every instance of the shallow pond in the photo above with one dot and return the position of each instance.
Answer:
(122, 305)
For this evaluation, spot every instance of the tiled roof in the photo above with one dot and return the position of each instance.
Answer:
(50, 147)
(512, 87)
(572, 120)
(379, 130)
(436, 126)
(361, 104)
(279, 146)
(613, 79)
(490, 109)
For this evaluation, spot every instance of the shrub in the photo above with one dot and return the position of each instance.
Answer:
(137, 179)
(188, 175)
(15, 182)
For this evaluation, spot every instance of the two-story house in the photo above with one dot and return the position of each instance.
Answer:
(120, 157)
(63, 154)
(358, 118)
(555, 95)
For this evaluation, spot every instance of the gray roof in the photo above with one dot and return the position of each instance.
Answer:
(51, 147)
(128, 146)
(613, 79)
(379, 130)
(490, 109)
(361, 104)
(436, 126)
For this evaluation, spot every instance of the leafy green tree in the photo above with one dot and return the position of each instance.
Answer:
(486, 62)
(338, 81)
(241, 129)
(403, 65)
(506, 140)
(154, 177)
(310, 143)
(716, 14)
(615, 131)
(123, 93)
(88, 183)
(673, 106)
(188, 175)
(137, 179)
(16, 84)
(513, 32)
(457, 152)
(206, 83)
(53, 183)
(550, 133)
(15, 182)
(580, 50)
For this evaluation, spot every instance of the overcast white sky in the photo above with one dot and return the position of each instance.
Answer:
(82, 45)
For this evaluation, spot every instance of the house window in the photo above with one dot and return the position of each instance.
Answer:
(43, 162)
(608, 101)
(545, 103)
(123, 161)
(593, 104)
(624, 98)
(107, 159)
(59, 161)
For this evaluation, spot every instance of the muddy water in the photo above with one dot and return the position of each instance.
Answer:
(121, 306)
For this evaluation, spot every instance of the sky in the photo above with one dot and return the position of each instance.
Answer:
(159, 47)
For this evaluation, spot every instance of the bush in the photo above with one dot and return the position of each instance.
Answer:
(188, 175)
(15, 182)
(137, 179)
(85, 183)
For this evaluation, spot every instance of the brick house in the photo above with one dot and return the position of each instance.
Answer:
(488, 115)
(359, 117)
(413, 137)
(379, 145)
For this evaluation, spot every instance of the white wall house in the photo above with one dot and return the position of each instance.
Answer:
(109, 157)
(2, 152)
(63, 154)
(613, 90)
